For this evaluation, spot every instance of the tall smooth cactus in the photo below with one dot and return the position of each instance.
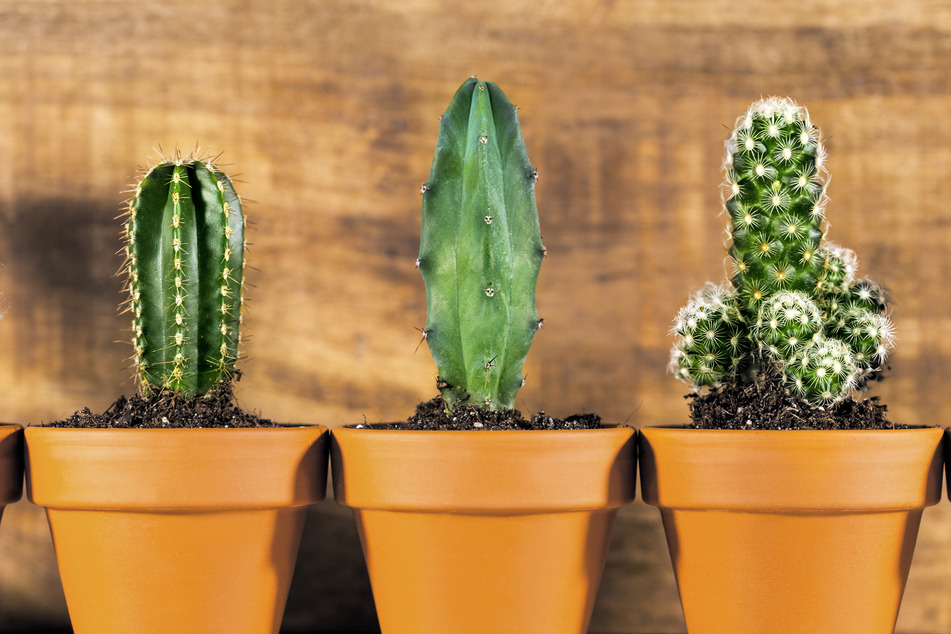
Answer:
(480, 249)
(794, 299)
(185, 265)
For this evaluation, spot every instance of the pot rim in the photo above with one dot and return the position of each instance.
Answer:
(176, 469)
(791, 470)
(473, 471)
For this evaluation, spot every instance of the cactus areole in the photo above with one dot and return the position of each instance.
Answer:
(794, 300)
(185, 262)
(480, 250)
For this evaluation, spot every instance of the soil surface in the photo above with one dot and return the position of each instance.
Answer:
(431, 415)
(169, 410)
(765, 404)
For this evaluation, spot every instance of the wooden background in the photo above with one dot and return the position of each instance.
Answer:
(328, 111)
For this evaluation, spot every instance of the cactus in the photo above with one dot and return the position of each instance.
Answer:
(794, 301)
(480, 249)
(775, 187)
(185, 264)
(822, 371)
(787, 322)
(712, 336)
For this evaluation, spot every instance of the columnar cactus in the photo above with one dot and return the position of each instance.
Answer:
(480, 249)
(794, 299)
(775, 198)
(185, 265)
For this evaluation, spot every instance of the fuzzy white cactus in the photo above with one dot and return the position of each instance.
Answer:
(795, 300)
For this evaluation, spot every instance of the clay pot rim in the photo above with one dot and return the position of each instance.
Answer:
(791, 470)
(489, 437)
(176, 469)
(685, 427)
(474, 472)
(374, 427)
(35, 429)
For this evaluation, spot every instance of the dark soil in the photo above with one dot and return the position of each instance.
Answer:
(169, 410)
(431, 415)
(765, 404)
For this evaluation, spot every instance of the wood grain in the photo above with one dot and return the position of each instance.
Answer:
(328, 112)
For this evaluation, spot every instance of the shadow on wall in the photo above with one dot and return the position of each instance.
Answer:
(64, 245)
(60, 258)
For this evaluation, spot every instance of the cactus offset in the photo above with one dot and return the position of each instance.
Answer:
(712, 337)
(185, 263)
(480, 249)
(795, 301)
(786, 323)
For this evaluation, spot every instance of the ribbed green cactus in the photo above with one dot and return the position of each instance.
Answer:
(794, 299)
(480, 249)
(185, 265)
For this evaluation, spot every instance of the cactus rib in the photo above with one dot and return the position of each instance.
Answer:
(185, 266)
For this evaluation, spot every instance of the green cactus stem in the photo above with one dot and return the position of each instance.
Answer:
(480, 249)
(794, 301)
(787, 322)
(712, 337)
(775, 187)
(821, 372)
(185, 266)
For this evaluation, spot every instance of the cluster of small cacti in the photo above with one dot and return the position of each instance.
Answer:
(185, 266)
(480, 249)
(794, 299)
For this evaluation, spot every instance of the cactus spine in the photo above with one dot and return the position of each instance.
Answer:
(794, 299)
(185, 265)
(480, 249)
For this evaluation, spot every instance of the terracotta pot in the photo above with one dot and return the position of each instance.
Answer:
(484, 531)
(176, 530)
(791, 531)
(11, 464)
